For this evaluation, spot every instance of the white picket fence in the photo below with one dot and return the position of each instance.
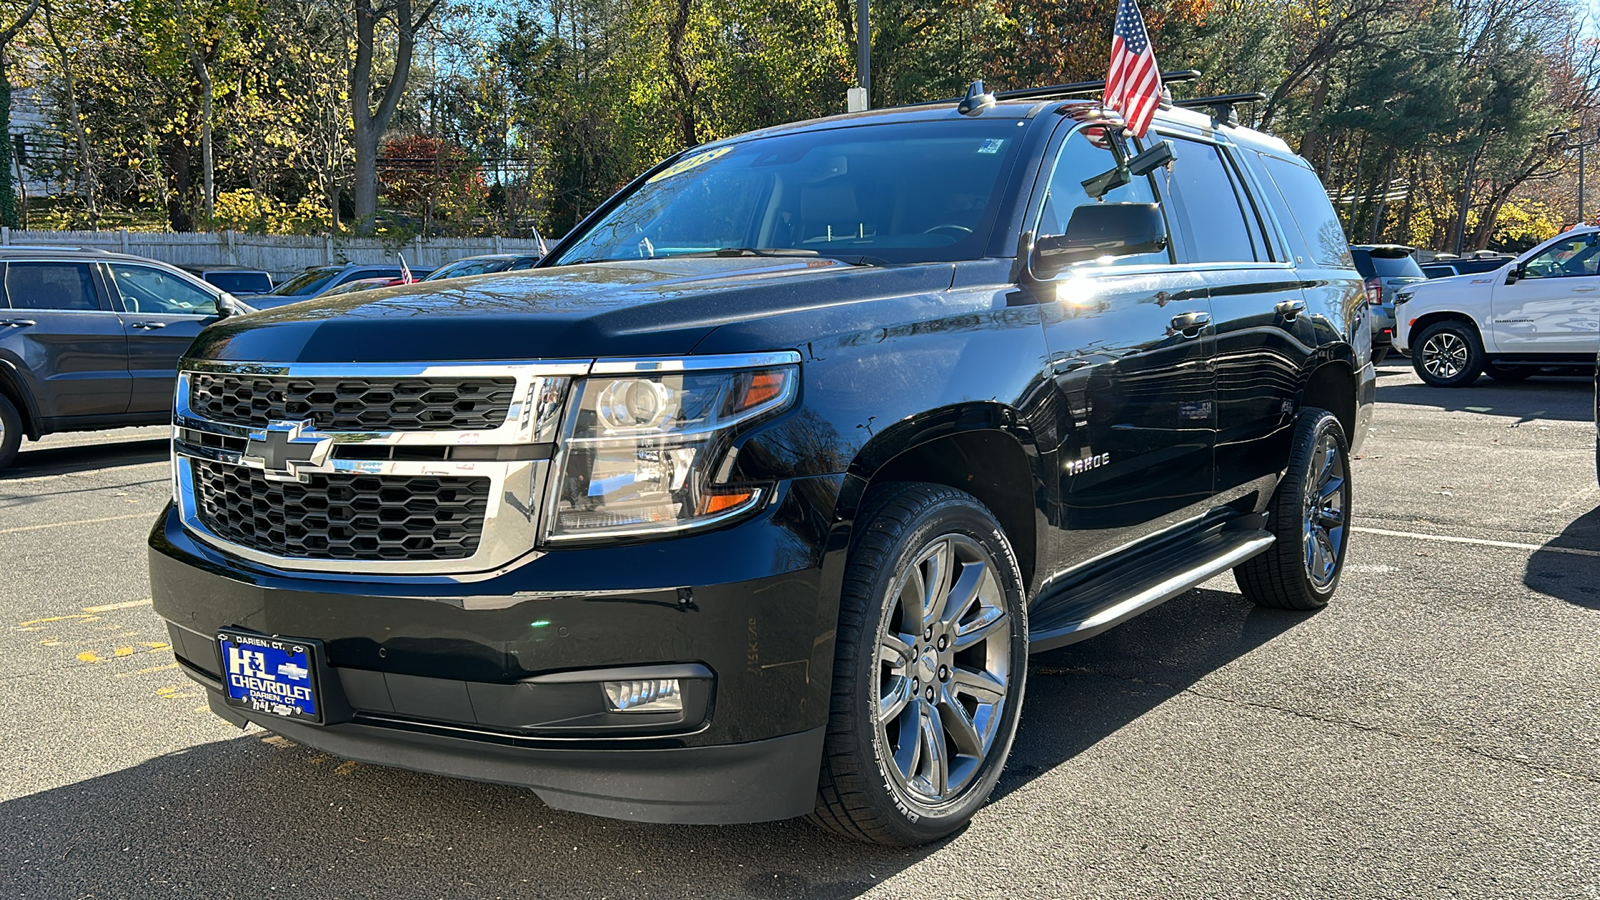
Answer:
(282, 255)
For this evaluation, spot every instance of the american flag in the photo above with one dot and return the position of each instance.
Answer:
(1134, 86)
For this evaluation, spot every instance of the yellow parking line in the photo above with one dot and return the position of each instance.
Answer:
(55, 619)
(22, 528)
(111, 606)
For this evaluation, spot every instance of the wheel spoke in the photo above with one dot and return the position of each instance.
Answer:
(962, 730)
(893, 703)
(1330, 487)
(896, 650)
(935, 756)
(936, 582)
(1330, 518)
(908, 753)
(989, 621)
(964, 593)
(980, 686)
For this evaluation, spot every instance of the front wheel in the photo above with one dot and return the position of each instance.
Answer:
(1448, 354)
(1310, 517)
(10, 431)
(929, 672)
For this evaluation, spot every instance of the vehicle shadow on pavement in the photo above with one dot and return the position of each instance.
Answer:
(1562, 398)
(256, 814)
(1081, 694)
(1573, 577)
(54, 460)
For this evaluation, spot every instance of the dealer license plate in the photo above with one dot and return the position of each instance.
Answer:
(272, 675)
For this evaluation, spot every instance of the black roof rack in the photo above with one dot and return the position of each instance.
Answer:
(1077, 88)
(1221, 105)
(1083, 87)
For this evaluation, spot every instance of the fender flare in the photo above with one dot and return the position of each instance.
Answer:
(12, 385)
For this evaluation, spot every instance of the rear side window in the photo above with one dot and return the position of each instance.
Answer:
(241, 282)
(1216, 227)
(1301, 202)
(47, 285)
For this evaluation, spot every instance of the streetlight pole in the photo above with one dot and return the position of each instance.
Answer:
(1582, 147)
(864, 49)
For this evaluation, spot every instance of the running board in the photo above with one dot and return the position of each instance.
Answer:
(1145, 582)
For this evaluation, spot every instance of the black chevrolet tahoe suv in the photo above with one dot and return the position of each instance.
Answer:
(752, 499)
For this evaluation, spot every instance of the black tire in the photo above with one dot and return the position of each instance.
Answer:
(865, 790)
(1380, 353)
(1292, 573)
(1448, 354)
(1508, 374)
(10, 432)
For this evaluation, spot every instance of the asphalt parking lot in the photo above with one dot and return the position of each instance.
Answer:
(1433, 733)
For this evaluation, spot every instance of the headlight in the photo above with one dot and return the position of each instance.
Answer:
(652, 453)
(1402, 297)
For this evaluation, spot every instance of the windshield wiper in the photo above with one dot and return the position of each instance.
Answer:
(789, 252)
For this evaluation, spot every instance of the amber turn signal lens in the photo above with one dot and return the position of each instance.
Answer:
(758, 388)
(715, 503)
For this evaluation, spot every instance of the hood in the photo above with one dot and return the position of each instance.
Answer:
(645, 308)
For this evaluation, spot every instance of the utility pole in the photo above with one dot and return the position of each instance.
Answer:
(1582, 147)
(864, 51)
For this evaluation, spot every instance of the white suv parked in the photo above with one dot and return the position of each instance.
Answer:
(1540, 309)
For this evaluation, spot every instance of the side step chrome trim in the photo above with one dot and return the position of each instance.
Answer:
(1091, 615)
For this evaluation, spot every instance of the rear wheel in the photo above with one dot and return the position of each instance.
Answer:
(1379, 353)
(1448, 354)
(10, 431)
(1310, 516)
(1508, 374)
(928, 676)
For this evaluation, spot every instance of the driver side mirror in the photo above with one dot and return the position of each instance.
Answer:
(1097, 230)
(1518, 272)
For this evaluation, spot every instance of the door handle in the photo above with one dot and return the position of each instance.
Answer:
(1190, 323)
(149, 326)
(16, 323)
(1584, 290)
(1290, 309)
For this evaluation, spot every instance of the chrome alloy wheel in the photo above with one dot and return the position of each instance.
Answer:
(943, 669)
(1445, 354)
(1327, 496)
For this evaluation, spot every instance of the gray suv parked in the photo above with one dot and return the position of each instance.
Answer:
(91, 340)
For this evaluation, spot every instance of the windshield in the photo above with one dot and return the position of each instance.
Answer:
(241, 282)
(899, 193)
(463, 267)
(307, 282)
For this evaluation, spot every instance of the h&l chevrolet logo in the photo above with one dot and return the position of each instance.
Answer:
(283, 448)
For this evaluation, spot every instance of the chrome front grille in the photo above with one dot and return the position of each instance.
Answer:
(363, 470)
(340, 516)
(354, 403)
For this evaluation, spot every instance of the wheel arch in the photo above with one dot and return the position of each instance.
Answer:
(12, 387)
(1443, 315)
(1332, 386)
(975, 448)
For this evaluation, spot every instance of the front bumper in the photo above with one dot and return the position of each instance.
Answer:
(498, 679)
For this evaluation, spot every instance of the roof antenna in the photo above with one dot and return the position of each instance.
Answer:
(976, 101)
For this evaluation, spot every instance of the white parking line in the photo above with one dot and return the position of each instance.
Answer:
(113, 606)
(1482, 542)
(143, 515)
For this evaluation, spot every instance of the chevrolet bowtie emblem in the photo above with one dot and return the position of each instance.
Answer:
(282, 449)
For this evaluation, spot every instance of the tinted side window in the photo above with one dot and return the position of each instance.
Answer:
(1305, 206)
(1217, 231)
(1081, 158)
(45, 285)
(1572, 257)
(147, 290)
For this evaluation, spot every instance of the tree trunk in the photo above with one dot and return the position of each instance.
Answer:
(8, 189)
(678, 67)
(370, 123)
(90, 185)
